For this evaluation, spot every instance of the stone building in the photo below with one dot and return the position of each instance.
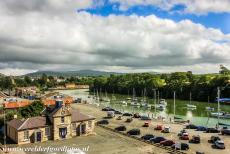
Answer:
(55, 123)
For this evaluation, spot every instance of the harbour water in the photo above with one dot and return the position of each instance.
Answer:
(199, 116)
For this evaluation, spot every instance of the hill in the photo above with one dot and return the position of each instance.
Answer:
(71, 73)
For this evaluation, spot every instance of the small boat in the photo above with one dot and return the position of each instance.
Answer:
(208, 108)
(161, 107)
(163, 102)
(135, 104)
(191, 106)
(124, 103)
(222, 115)
(146, 105)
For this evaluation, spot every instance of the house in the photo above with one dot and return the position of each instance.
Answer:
(70, 86)
(56, 122)
(26, 91)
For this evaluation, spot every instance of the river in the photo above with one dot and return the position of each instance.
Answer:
(199, 116)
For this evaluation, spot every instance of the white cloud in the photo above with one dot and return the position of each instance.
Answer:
(191, 6)
(33, 40)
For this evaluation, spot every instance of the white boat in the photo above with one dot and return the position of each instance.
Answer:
(191, 106)
(124, 103)
(221, 114)
(135, 104)
(208, 108)
(163, 102)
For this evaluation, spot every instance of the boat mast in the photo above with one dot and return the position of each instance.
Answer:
(218, 100)
(174, 103)
(155, 99)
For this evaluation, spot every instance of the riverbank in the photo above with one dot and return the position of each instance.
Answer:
(175, 128)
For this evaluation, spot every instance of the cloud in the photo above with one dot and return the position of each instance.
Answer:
(39, 39)
(191, 6)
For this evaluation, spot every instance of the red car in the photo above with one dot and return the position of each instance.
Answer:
(158, 127)
(184, 136)
(146, 124)
(167, 143)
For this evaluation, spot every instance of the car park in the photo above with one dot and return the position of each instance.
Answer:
(134, 132)
(120, 128)
(147, 137)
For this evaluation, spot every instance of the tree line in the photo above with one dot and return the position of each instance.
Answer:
(203, 87)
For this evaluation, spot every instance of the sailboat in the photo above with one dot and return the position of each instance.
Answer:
(190, 106)
(144, 102)
(106, 99)
(134, 100)
(208, 108)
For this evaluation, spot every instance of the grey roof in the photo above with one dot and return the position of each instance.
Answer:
(79, 117)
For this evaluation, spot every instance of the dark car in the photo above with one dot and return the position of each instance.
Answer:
(129, 120)
(195, 139)
(134, 132)
(117, 112)
(103, 122)
(127, 114)
(212, 130)
(147, 137)
(167, 143)
(225, 131)
(157, 139)
(120, 128)
(201, 128)
(214, 139)
(180, 146)
(191, 126)
(145, 118)
(107, 109)
(136, 115)
(181, 132)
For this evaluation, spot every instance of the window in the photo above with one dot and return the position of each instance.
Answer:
(26, 135)
(62, 119)
(47, 131)
(90, 124)
(74, 125)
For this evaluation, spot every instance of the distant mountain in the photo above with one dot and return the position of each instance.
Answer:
(71, 73)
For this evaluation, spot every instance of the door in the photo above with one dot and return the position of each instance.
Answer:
(62, 132)
(38, 136)
(83, 128)
(78, 130)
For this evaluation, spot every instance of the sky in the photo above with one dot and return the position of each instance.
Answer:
(114, 35)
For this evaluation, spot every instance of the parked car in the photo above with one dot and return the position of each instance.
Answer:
(129, 119)
(136, 115)
(166, 129)
(191, 126)
(195, 139)
(134, 132)
(181, 132)
(158, 127)
(119, 118)
(108, 109)
(127, 114)
(147, 137)
(117, 112)
(145, 118)
(212, 130)
(146, 124)
(120, 128)
(180, 146)
(167, 143)
(110, 114)
(201, 128)
(184, 136)
(157, 139)
(214, 139)
(225, 131)
(103, 122)
(219, 144)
